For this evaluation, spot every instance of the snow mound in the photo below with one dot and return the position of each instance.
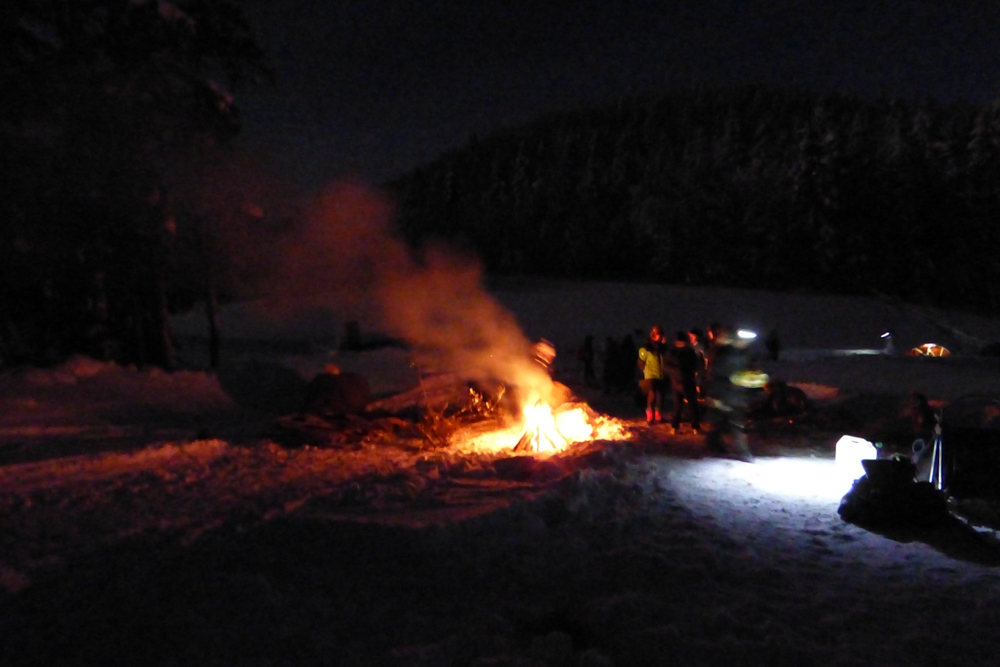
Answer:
(86, 392)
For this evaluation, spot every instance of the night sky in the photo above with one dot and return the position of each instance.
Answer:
(373, 88)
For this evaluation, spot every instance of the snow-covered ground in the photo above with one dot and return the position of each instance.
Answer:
(152, 518)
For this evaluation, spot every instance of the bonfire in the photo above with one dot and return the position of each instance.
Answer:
(525, 412)
(540, 432)
(548, 432)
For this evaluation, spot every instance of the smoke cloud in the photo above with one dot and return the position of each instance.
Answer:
(348, 258)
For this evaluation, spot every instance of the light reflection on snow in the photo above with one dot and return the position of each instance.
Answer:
(805, 479)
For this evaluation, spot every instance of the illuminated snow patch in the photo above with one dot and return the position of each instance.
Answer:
(793, 478)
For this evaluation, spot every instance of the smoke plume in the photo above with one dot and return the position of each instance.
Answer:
(348, 258)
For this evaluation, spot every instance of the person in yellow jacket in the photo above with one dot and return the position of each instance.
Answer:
(651, 361)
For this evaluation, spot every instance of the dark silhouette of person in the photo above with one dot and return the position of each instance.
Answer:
(627, 370)
(586, 356)
(683, 367)
(921, 414)
(612, 366)
(711, 339)
(773, 344)
(698, 341)
(713, 331)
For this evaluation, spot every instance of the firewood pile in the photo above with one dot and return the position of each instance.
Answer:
(423, 418)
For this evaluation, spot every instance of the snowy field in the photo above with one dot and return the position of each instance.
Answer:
(155, 519)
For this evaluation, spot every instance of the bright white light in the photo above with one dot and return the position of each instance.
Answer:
(746, 334)
(851, 451)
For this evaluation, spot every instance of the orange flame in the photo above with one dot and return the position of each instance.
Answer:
(548, 433)
(541, 433)
(555, 432)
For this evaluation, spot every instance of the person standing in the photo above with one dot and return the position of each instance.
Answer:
(773, 344)
(651, 362)
(612, 366)
(626, 375)
(683, 362)
(697, 340)
(729, 402)
(711, 337)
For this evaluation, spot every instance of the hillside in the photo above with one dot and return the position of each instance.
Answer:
(748, 187)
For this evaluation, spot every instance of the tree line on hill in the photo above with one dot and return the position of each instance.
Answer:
(752, 186)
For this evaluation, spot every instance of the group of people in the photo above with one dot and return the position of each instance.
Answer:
(697, 369)
(676, 366)
(693, 369)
